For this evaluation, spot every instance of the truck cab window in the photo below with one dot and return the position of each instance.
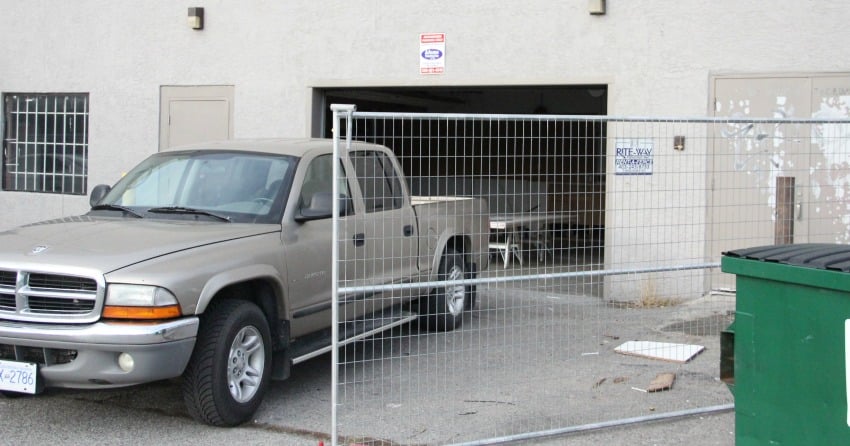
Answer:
(319, 178)
(378, 181)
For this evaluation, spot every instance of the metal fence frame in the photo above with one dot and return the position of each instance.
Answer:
(347, 113)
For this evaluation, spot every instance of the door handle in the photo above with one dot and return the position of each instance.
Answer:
(359, 239)
(408, 230)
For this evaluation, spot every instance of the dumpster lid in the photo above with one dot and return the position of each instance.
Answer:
(809, 255)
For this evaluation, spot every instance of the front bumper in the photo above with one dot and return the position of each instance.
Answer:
(160, 351)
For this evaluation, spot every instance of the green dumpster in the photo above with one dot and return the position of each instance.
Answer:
(786, 355)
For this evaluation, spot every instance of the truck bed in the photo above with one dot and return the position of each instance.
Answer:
(439, 217)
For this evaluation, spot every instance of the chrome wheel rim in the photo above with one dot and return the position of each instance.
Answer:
(245, 364)
(455, 294)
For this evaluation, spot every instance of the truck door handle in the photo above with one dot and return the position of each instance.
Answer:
(408, 230)
(359, 239)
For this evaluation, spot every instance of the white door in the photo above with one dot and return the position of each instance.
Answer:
(195, 114)
(749, 157)
(827, 204)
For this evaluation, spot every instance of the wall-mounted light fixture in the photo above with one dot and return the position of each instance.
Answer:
(679, 143)
(196, 18)
(596, 7)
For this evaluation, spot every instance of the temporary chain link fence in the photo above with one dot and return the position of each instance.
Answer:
(599, 297)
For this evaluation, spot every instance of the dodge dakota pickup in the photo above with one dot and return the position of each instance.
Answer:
(212, 263)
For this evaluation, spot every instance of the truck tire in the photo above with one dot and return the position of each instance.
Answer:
(228, 373)
(442, 309)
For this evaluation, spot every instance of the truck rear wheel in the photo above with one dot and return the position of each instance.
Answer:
(442, 309)
(228, 373)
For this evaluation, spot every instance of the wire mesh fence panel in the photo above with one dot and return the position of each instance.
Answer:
(543, 272)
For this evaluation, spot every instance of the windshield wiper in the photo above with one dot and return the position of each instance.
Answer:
(184, 210)
(115, 207)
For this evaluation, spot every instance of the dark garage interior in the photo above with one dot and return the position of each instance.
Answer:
(545, 148)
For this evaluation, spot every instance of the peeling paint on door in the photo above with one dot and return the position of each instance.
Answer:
(754, 154)
(830, 167)
(759, 148)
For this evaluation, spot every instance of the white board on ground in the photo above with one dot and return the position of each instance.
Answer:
(664, 351)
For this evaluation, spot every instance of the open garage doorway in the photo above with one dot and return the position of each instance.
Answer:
(561, 160)
(557, 100)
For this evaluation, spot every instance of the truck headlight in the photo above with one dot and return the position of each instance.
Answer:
(125, 301)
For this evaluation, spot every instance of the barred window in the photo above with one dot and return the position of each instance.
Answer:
(45, 142)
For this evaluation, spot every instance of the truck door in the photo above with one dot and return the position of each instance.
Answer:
(388, 228)
(308, 251)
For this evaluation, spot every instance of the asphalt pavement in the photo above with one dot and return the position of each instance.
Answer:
(525, 361)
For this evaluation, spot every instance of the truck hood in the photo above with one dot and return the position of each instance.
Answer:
(107, 244)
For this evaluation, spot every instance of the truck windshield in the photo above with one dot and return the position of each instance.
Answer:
(241, 187)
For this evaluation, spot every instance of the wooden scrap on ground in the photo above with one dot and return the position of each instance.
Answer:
(664, 381)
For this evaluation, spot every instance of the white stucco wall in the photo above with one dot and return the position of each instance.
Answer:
(656, 57)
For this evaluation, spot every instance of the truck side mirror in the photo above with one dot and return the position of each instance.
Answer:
(97, 193)
(321, 207)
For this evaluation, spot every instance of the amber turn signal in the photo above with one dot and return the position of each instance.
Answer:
(166, 312)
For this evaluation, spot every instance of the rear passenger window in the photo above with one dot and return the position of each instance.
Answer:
(378, 181)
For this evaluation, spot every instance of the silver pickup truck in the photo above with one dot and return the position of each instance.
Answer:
(213, 262)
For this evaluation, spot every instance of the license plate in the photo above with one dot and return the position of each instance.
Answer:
(18, 376)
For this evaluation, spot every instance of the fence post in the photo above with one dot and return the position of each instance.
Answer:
(346, 111)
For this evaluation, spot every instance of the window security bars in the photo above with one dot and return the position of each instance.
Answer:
(45, 143)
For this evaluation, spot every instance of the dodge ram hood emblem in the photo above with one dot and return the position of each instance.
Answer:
(38, 249)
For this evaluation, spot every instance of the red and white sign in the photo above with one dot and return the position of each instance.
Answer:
(432, 53)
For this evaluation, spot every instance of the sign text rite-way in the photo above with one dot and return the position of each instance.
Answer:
(633, 157)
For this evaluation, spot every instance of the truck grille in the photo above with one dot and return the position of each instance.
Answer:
(58, 305)
(54, 282)
(8, 278)
(47, 297)
(7, 302)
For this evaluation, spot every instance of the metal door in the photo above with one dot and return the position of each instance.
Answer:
(826, 206)
(195, 114)
(748, 159)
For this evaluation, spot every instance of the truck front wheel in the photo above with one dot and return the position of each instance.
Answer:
(442, 309)
(228, 373)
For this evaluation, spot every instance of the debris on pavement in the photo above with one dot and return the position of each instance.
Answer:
(664, 381)
(680, 353)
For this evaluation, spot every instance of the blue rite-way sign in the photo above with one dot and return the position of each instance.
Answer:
(432, 53)
(633, 156)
